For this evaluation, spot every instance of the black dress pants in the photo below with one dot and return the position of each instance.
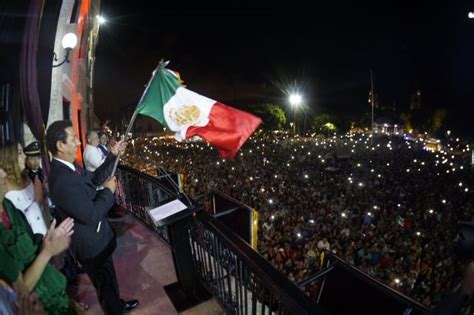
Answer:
(105, 282)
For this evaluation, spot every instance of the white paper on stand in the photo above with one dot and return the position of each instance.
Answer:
(166, 210)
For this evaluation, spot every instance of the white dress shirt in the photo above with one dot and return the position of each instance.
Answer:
(93, 158)
(68, 164)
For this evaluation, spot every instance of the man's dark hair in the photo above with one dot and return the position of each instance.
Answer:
(57, 132)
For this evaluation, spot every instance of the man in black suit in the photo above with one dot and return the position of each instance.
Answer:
(73, 190)
(32, 151)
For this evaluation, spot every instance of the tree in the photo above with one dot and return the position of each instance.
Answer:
(407, 121)
(273, 117)
(424, 120)
(363, 121)
(439, 117)
(324, 123)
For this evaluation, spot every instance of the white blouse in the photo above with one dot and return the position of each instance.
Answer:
(24, 200)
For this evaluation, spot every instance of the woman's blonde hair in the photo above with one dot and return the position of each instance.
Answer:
(9, 163)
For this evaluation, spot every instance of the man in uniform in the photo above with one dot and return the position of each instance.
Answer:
(32, 162)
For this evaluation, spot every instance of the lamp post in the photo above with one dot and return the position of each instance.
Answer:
(295, 101)
(372, 101)
(69, 42)
(101, 19)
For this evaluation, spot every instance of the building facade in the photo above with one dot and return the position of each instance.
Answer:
(37, 87)
(72, 83)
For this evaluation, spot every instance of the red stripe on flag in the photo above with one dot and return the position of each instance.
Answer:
(227, 130)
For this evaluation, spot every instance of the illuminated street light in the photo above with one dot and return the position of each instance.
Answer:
(101, 19)
(470, 15)
(295, 101)
(68, 42)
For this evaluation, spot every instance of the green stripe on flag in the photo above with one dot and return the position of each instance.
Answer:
(161, 89)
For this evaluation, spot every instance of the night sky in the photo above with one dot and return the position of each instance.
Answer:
(242, 52)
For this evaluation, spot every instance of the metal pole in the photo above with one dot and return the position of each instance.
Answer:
(134, 116)
(372, 101)
(294, 120)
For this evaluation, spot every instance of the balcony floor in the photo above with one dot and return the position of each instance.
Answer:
(144, 265)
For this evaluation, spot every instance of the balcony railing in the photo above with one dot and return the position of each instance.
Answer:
(239, 278)
(207, 253)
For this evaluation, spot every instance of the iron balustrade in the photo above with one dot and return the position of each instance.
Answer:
(238, 277)
(138, 192)
(361, 291)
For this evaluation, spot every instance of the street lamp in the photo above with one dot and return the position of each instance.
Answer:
(69, 42)
(295, 101)
(101, 19)
(470, 15)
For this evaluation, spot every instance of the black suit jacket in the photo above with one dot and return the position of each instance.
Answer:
(75, 196)
(104, 150)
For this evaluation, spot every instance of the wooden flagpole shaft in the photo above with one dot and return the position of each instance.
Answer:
(135, 113)
(134, 116)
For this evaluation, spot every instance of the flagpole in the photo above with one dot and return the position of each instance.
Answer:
(372, 102)
(161, 65)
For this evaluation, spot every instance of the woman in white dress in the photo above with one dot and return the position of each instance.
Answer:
(27, 198)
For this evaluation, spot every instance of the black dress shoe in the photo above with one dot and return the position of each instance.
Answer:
(129, 305)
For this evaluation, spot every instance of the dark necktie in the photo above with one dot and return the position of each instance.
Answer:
(78, 169)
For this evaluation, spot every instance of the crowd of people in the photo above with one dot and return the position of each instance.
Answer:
(386, 205)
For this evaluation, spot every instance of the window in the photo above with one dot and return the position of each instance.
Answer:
(74, 14)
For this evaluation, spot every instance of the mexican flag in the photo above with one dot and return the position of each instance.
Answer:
(188, 114)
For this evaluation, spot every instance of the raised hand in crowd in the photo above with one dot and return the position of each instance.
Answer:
(57, 239)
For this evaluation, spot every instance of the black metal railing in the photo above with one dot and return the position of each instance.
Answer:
(233, 213)
(361, 291)
(138, 192)
(239, 278)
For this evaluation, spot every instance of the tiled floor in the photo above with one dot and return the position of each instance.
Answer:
(144, 266)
